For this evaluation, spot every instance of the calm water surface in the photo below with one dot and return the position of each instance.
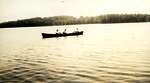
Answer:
(106, 53)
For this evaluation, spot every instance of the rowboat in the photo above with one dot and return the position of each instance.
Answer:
(48, 35)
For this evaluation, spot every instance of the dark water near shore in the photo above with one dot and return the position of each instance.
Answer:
(106, 53)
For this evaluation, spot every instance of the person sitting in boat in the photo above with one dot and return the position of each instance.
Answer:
(76, 30)
(64, 32)
(57, 31)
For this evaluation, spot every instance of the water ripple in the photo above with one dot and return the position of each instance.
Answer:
(109, 55)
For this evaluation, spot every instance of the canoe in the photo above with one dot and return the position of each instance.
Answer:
(48, 35)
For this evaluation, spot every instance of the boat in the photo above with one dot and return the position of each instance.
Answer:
(48, 35)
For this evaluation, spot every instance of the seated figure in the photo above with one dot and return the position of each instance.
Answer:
(64, 32)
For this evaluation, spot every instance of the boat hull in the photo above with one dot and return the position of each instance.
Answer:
(47, 35)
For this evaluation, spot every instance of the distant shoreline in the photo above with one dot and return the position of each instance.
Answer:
(70, 20)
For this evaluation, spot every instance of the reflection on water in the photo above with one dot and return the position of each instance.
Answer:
(107, 53)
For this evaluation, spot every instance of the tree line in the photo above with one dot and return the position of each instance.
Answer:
(70, 20)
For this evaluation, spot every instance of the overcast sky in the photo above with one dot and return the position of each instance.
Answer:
(20, 9)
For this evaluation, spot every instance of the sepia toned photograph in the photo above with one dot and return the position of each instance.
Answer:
(74, 41)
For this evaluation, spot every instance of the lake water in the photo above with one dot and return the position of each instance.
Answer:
(105, 53)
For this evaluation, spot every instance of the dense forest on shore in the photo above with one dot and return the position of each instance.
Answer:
(70, 20)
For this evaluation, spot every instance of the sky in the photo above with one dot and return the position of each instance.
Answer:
(22, 9)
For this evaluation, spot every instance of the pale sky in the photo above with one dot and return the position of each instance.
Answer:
(21, 9)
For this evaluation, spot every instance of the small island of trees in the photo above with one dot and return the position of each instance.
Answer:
(70, 20)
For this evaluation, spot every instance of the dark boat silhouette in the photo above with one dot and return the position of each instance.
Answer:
(48, 35)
